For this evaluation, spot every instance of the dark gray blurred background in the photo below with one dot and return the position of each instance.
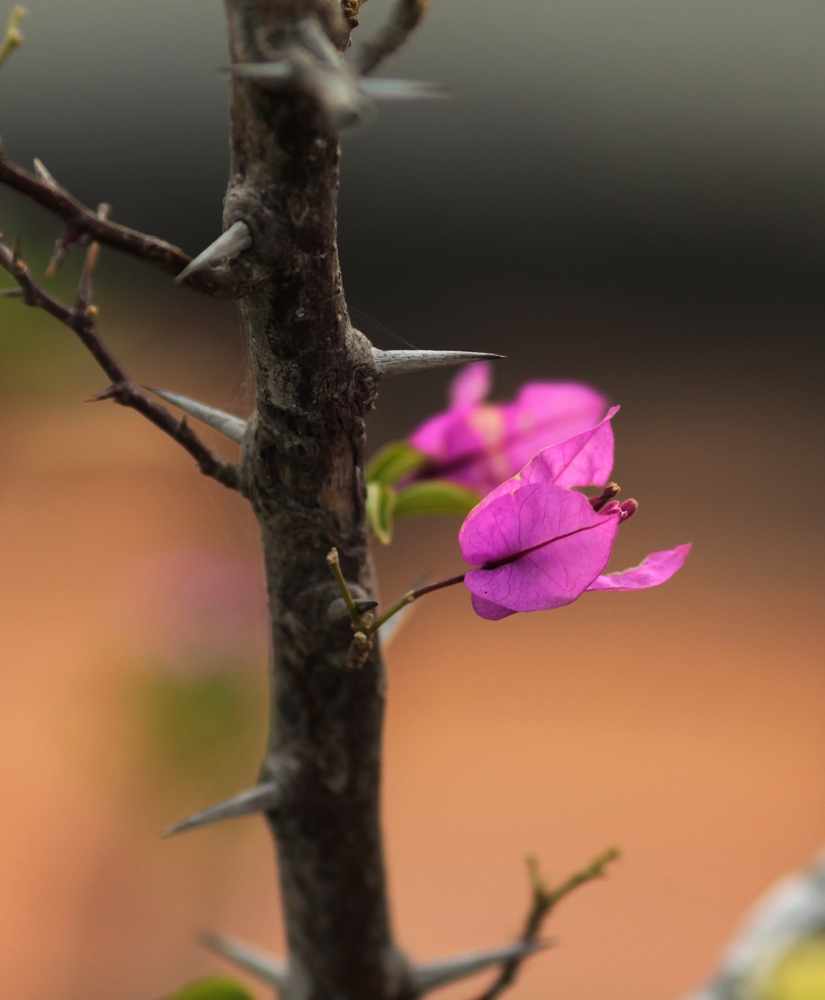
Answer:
(614, 184)
(678, 145)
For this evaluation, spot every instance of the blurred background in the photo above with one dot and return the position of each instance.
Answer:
(630, 194)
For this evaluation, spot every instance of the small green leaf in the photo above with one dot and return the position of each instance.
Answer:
(435, 496)
(381, 501)
(393, 462)
(213, 988)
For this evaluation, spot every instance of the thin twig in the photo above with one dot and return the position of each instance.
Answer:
(334, 564)
(404, 19)
(544, 901)
(83, 222)
(122, 390)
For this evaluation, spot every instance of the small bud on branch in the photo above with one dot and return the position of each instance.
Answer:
(13, 38)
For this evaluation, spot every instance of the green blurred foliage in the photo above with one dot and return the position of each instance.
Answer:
(199, 726)
(393, 462)
(37, 354)
(213, 988)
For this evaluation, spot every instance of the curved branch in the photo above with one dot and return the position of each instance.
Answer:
(82, 223)
(544, 902)
(404, 19)
(81, 319)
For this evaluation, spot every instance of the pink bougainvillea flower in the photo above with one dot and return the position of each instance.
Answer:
(540, 545)
(479, 445)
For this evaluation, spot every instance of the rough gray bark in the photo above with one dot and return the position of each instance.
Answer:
(303, 470)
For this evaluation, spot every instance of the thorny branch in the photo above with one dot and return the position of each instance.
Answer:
(81, 319)
(82, 224)
(404, 19)
(545, 901)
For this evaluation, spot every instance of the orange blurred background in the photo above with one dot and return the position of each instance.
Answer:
(624, 194)
(684, 724)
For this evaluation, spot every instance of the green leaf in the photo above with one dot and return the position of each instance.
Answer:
(393, 462)
(435, 496)
(213, 988)
(381, 501)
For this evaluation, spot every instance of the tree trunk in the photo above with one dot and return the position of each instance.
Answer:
(303, 469)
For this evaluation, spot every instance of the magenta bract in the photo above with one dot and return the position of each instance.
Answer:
(539, 545)
(479, 445)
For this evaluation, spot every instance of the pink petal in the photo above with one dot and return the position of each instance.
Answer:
(480, 445)
(656, 569)
(431, 437)
(565, 545)
(471, 385)
(583, 460)
(489, 610)
(546, 413)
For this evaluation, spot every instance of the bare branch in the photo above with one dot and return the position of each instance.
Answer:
(544, 902)
(405, 18)
(83, 222)
(81, 320)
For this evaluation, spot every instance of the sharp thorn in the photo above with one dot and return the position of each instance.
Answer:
(110, 392)
(56, 259)
(362, 607)
(227, 424)
(435, 974)
(338, 95)
(317, 42)
(73, 234)
(43, 174)
(404, 362)
(253, 960)
(380, 89)
(261, 798)
(229, 244)
(268, 75)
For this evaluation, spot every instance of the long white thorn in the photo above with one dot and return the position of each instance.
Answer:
(253, 960)
(254, 800)
(235, 240)
(404, 362)
(268, 75)
(437, 974)
(43, 173)
(316, 41)
(231, 426)
(387, 89)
